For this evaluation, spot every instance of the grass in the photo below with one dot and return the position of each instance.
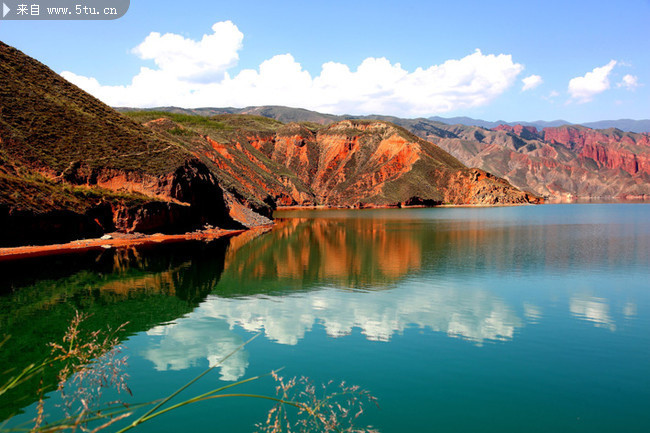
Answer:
(181, 131)
(29, 191)
(312, 126)
(224, 128)
(48, 122)
(247, 122)
(235, 123)
(185, 119)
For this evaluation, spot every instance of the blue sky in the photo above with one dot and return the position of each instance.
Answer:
(588, 59)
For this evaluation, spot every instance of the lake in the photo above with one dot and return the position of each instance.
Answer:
(508, 319)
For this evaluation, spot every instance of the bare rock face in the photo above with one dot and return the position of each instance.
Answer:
(527, 132)
(356, 163)
(611, 148)
(560, 162)
(248, 177)
(351, 163)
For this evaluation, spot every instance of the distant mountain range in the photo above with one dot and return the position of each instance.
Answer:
(288, 114)
(627, 125)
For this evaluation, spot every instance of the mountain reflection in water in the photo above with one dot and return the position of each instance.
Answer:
(376, 249)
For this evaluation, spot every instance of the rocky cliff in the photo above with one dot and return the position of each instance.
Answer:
(563, 162)
(611, 148)
(558, 162)
(352, 163)
(364, 163)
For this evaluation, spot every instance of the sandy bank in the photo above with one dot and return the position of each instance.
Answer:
(117, 240)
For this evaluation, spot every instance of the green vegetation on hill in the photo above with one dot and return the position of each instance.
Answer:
(220, 126)
(142, 116)
(33, 192)
(48, 122)
(280, 113)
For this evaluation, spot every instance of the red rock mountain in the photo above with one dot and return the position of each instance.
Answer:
(567, 161)
(352, 163)
(611, 149)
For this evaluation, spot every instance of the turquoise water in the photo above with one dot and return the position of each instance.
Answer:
(510, 319)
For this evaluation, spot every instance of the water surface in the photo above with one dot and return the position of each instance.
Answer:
(531, 318)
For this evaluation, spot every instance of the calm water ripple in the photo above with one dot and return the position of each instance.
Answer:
(513, 319)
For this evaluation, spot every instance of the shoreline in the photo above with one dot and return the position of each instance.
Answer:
(121, 240)
(326, 207)
(546, 200)
(117, 240)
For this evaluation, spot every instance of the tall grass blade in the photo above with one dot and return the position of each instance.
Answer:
(182, 388)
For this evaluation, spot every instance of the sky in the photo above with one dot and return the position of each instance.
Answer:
(520, 60)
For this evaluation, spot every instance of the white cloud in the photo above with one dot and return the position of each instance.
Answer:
(551, 96)
(207, 334)
(193, 73)
(630, 82)
(194, 61)
(531, 82)
(629, 310)
(583, 89)
(532, 312)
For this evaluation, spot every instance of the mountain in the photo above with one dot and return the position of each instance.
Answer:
(559, 162)
(350, 163)
(627, 125)
(562, 162)
(277, 112)
(288, 114)
(71, 166)
(565, 161)
(468, 121)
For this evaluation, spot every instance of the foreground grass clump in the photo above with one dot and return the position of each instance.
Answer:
(320, 409)
(90, 362)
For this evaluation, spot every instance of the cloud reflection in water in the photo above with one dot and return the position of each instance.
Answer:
(592, 309)
(470, 314)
